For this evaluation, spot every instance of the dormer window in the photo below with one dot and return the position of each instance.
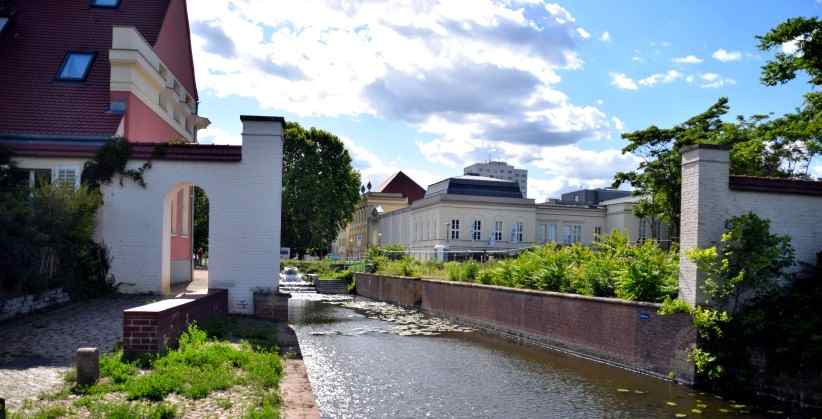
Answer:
(76, 66)
(110, 4)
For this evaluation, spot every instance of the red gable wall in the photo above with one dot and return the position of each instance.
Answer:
(173, 45)
(401, 183)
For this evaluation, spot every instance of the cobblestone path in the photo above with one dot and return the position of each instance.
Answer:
(35, 351)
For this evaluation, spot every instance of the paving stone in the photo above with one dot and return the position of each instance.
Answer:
(36, 351)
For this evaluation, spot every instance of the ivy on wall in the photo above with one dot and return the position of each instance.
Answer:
(111, 160)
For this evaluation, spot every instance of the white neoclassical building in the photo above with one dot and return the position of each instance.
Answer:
(482, 214)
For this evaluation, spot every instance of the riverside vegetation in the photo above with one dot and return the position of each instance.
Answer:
(611, 267)
(235, 359)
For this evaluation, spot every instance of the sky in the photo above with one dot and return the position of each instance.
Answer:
(429, 87)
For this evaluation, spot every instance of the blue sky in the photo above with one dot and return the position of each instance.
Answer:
(430, 87)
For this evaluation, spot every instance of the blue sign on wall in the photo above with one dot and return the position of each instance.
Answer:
(644, 316)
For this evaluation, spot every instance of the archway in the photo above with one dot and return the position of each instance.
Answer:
(185, 239)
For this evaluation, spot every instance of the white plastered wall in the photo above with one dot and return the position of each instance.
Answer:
(244, 219)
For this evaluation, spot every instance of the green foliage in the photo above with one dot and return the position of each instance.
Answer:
(46, 241)
(200, 220)
(748, 260)
(196, 368)
(806, 33)
(674, 305)
(110, 160)
(650, 275)
(315, 165)
(742, 272)
(612, 268)
(390, 251)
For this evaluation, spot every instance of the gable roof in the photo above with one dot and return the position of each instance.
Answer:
(400, 183)
(32, 47)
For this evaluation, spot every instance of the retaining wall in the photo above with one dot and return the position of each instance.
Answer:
(25, 304)
(331, 286)
(154, 327)
(627, 334)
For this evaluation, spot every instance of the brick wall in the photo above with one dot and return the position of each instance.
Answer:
(154, 327)
(627, 334)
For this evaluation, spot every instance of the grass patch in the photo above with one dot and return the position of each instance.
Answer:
(50, 412)
(235, 351)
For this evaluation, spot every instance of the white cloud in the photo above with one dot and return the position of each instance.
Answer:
(712, 80)
(668, 77)
(621, 81)
(690, 59)
(618, 124)
(216, 135)
(790, 47)
(374, 169)
(726, 56)
(605, 37)
(430, 64)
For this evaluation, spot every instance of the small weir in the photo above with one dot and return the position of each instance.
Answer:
(368, 359)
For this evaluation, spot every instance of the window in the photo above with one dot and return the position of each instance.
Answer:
(476, 230)
(552, 233)
(66, 176)
(643, 229)
(117, 106)
(576, 233)
(498, 230)
(519, 232)
(76, 66)
(3, 22)
(455, 229)
(597, 232)
(110, 4)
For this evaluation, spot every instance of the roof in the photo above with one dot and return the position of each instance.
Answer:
(86, 147)
(631, 199)
(32, 47)
(401, 183)
(775, 185)
(475, 186)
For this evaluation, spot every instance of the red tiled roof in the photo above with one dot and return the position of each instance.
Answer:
(87, 148)
(32, 47)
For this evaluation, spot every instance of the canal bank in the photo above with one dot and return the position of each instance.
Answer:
(372, 359)
(627, 334)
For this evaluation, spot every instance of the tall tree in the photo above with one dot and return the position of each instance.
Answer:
(200, 220)
(659, 176)
(320, 189)
(801, 130)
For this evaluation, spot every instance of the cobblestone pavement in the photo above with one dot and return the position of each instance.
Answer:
(36, 350)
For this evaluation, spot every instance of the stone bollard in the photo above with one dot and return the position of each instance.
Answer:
(88, 366)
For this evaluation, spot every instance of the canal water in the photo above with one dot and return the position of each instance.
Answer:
(367, 359)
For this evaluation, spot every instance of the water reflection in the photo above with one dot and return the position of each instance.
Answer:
(362, 363)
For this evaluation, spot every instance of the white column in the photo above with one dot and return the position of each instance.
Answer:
(705, 192)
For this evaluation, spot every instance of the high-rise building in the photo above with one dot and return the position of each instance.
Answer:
(500, 170)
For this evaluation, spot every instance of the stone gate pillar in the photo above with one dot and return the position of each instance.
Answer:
(705, 174)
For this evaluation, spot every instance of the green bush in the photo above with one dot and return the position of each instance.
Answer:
(612, 267)
(46, 241)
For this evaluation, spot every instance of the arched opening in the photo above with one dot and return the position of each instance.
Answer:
(185, 240)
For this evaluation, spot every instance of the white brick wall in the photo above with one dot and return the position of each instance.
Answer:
(244, 219)
(707, 202)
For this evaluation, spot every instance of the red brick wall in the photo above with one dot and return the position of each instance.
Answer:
(628, 334)
(146, 330)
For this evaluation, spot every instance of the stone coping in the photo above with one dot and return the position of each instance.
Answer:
(170, 303)
(527, 291)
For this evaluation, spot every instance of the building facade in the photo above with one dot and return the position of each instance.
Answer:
(396, 192)
(470, 214)
(500, 170)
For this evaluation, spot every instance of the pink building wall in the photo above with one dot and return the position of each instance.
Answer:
(173, 45)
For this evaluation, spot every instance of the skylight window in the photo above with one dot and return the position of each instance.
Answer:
(3, 22)
(75, 66)
(105, 3)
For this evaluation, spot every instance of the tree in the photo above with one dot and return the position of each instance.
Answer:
(320, 189)
(801, 130)
(200, 220)
(659, 176)
(806, 35)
